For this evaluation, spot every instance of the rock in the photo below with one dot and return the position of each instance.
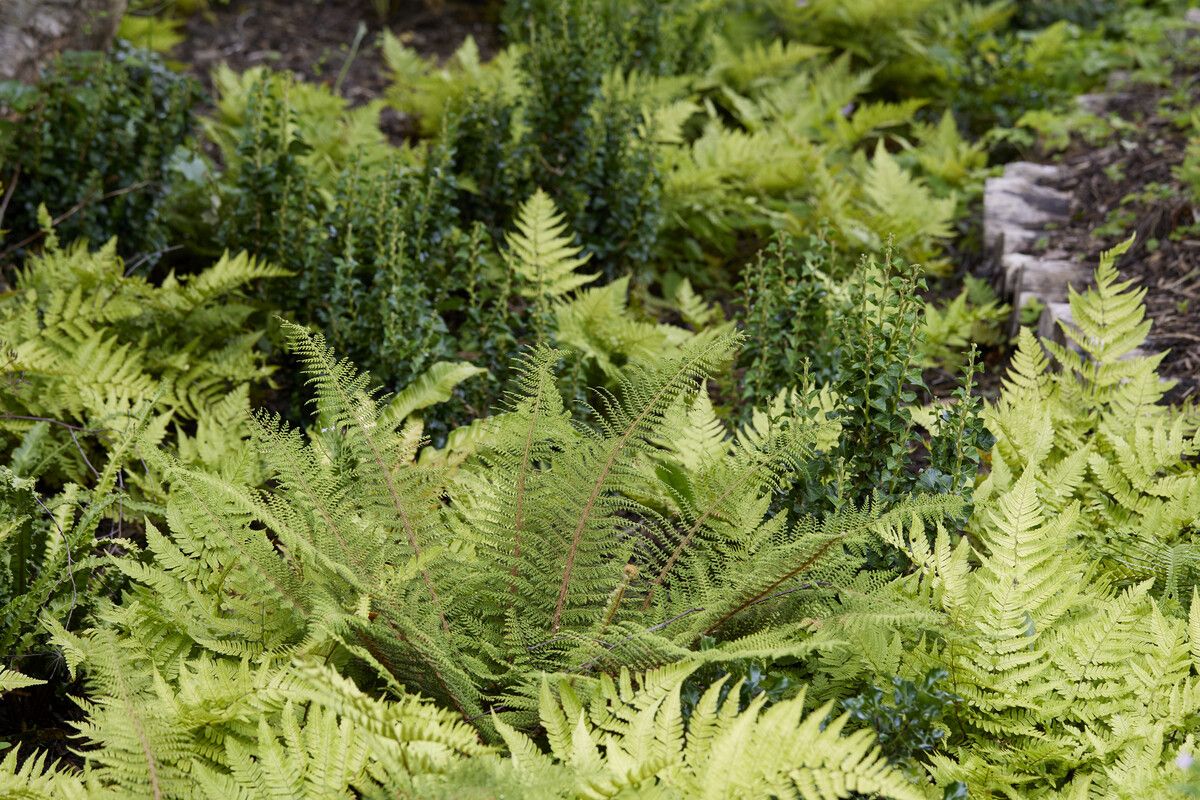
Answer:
(1049, 279)
(1010, 238)
(1048, 199)
(34, 31)
(1049, 326)
(1003, 211)
(1012, 265)
(1054, 203)
(1101, 102)
(1034, 173)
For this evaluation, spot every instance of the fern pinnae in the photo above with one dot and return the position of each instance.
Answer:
(759, 465)
(690, 365)
(765, 594)
(295, 469)
(190, 483)
(331, 376)
(539, 374)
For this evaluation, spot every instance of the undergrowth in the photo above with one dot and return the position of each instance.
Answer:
(580, 444)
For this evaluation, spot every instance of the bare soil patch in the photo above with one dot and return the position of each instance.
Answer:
(315, 40)
(1131, 184)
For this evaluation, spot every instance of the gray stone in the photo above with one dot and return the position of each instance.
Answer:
(33, 31)
(1052, 201)
(1010, 239)
(1049, 279)
(1013, 264)
(1035, 173)
(1049, 326)
(1003, 211)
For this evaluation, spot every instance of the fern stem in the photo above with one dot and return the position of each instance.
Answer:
(409, 531)
(628, 574)
(450, 695)
(598, 486)
(519, 500)
(686, 540)
(754, 600)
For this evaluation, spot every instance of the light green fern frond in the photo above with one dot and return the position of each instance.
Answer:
(540, 251)
(628, 736)
(1104, 438)
(11, 679)
(900, 204)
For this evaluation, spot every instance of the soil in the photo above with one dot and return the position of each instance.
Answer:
(1130, 185)
(315, 38)
(41, 718)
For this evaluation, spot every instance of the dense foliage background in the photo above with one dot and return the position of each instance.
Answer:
(612, 406)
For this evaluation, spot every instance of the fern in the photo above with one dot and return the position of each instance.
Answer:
(428, 92)
(541, 255)
(624, 738)
(297, 730)
(209, 727)
(334, 133)
(96, 354)
(553, 547)
(53, 566)
(899, 203)
(1106, 437)
(1045, 669)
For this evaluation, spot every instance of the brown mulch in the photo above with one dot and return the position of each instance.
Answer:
(1128, 185)
(314, 38)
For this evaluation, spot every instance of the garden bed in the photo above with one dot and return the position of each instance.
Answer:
(316, 40)
(691, 414)
(1133, 183)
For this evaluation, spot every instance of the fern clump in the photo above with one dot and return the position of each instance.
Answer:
(549, 546)
(219, 727)
(102, 364)
(97, 356)
(1062, 636)
(1067, 681)
(1100, 426)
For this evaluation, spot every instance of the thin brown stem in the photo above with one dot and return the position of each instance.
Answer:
(72, 211)
(598, 486)
(760, 596)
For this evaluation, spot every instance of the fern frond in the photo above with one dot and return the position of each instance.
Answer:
(640, 727)
(540, 251)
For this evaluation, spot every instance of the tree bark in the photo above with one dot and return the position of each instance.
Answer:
(33, 31)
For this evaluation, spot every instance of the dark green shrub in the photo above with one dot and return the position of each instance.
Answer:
(566, 135)
(857, 344)
(93, 140)
(785, 299)
(956, 446)
(382, 261)
(656, 37)
(752, 678)
(492, 158)
(909, 720)
(1040, 13)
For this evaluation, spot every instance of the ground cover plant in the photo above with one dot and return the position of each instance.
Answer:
(598, 405)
